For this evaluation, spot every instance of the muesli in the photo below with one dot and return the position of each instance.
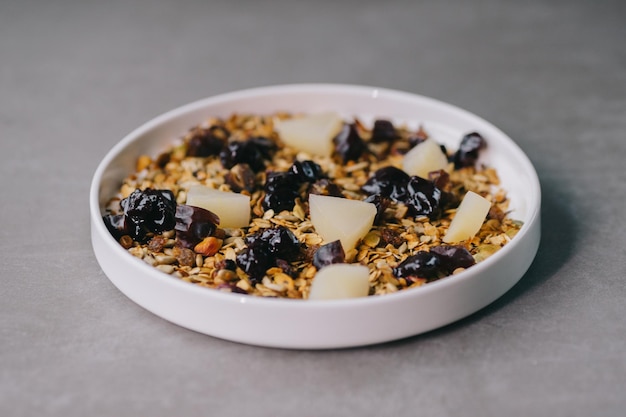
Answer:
(258, 204)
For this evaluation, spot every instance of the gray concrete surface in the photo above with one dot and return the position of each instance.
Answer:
(77, 76)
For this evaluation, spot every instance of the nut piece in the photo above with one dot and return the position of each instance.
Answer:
(209, 246)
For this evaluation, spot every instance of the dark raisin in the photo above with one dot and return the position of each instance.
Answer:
(157, 243)
(453, 257)
(193, 224)
(383, 131)
(207, 142)
(469, 149)
(389, 182)
(439, 178)
(115, 224)
(330, 253)
(281, 242)
(421, 265)
(253, 152)
(381, 204)
(185, 257)
(418, 137)
(148, 211)
(423, 197)
(281, 190)
(391, 237)
(241, 177)
(286, 267)
(306, 171)
(263, 250)
(348, 144)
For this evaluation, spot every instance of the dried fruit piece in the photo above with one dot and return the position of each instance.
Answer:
(421, 265)
(241, 177)
(312, 133)
(340, 281)
(424, 158)
(207, 142)
(389, 182)
(253, 152)
(330, 253)
(147, 211)
(233, 209)
(468, 151)
(265, 248)
(383, 131)
(453, 257)
(468, 219)
(193, 224)
(348, 144)
(423, 197)
(281, 190)
(340, 218)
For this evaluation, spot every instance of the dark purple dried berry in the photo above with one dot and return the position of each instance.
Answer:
(253, 152)
(348, 144)
(453, 257)
(306, 171)
(115, 225)
(468, 151)
(383, 131)
(440, 178)
(265, 248)
(207, 142)
(421, 265)
(389, 182)
(423, 197)
(229, 264)
(381, 204)
(280, 242)
(148, 211)
(325, 187)
(193, 224)
(418, 137)
(330, 253)
(281, 190)
(241, 177)
(254, 262)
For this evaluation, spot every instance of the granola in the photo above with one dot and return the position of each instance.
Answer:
(397, 234)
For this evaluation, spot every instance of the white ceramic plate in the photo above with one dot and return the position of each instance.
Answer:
(332, 323)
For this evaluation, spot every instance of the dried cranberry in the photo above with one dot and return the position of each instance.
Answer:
(348, 144)
(254, 262)
(468, 151)
(148, 211)
(453, 257)
(421, 265)
(194, 224)
(383, 131)
(330, 253)
(423, 197)
(207, 142)
(389, 182)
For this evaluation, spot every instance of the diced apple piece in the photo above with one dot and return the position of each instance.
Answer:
(468, 219)
(233, 209)
(340, 218)
(313, 133)
(340, 281)
(424, 158)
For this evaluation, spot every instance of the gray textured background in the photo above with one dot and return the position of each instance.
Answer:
(75, 77)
